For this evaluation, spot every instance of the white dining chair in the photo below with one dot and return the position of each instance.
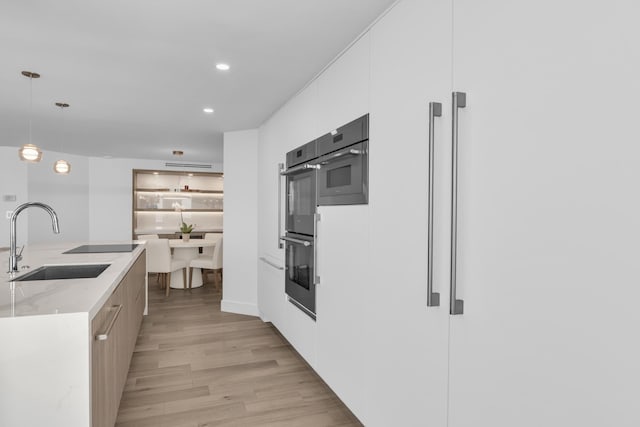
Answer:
(208, 262)
(146, 237)
(159, 260)
(208, 250)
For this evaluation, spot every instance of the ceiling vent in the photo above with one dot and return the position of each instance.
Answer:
(187, 165)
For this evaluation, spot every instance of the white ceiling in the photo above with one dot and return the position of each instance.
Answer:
(137, 73)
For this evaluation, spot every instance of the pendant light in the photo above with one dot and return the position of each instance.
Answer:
(62, 166)
(29, 152)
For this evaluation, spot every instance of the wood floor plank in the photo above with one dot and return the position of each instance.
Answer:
(196, 366)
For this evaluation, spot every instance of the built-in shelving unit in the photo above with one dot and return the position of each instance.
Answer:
(160, 197)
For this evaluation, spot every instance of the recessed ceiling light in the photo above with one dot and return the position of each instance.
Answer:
(208, 110)
(178, 152)
(222, 67)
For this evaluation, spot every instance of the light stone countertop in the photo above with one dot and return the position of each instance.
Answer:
(46, 297)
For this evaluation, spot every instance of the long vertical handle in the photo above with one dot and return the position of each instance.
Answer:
(316, 276)
(459, 100)
(105, 335)
(433, 298)
(280, 169)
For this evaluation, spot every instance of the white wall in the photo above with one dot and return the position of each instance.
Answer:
(110, 199)
(93, 202)
(13, 182)
(68, 195)
(241, 222)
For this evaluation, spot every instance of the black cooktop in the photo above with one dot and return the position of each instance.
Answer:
(100, 249)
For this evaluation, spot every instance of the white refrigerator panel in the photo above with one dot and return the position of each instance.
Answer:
(548, 214)
(407, 363)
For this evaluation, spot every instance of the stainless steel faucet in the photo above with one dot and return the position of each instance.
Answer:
(13, 257)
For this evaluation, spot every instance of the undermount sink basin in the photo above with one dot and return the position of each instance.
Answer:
(63, 272)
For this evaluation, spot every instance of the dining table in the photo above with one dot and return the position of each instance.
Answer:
(188, 251)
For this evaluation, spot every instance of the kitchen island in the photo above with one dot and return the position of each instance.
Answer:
(53, 370)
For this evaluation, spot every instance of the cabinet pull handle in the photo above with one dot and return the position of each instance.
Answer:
(280, 169)
(433, 298)
(272, 264)
(316, 276)
(459, 100)
(105, 335)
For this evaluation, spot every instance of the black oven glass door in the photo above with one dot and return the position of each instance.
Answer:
(299, 271)
(343, 176)
(301, 202)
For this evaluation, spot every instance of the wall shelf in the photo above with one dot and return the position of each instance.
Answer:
(167, 190)
(160, 197)
(177, 212)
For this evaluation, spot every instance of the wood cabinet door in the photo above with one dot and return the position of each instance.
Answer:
(548, 214)
(406, 354)
(105, 397)
(119, 319)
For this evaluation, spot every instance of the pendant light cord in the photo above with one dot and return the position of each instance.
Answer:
(63, 126)
(30, 105)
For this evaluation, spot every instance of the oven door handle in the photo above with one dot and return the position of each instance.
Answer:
(280, 169)
(349, 152)
(316, 276)
(294, 240)
(298, 169)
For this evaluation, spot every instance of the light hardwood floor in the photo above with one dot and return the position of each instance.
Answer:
(195, 366)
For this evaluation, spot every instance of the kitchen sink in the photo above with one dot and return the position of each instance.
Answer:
(63, 272)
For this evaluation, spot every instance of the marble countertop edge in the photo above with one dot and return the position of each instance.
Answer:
(57, 297)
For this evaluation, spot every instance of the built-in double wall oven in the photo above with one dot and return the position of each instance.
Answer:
(300, 221)
(330, 170)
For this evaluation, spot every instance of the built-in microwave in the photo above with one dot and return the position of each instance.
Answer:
(343, 172)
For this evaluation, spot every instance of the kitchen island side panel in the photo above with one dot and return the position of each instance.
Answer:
(44, 370)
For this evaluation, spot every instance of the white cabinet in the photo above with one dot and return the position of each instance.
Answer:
(293, 125)
(343, 89)
(271, 290)
(548, 214)
(547, 251)
(406, 360)
(341, 311)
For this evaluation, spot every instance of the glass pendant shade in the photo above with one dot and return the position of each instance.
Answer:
(30, 153)
(62, 167)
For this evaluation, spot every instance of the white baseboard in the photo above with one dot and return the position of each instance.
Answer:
(239, 308)
(264, 318)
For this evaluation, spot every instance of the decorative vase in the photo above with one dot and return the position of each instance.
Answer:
(185, 237)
